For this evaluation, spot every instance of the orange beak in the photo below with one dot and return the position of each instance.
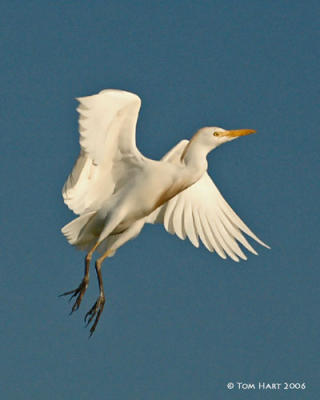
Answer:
(239, 132)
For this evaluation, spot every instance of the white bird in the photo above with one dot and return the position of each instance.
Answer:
(116, 190)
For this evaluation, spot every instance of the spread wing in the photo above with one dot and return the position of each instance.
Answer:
(107, 125)
(200, 212)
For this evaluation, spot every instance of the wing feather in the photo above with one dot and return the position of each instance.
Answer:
(177, 219)
(235, 232)
(168, 216)
(211, 233)
(200, 211)
(222, 242)
(189, 225)
(201, 231)
(224, 206)
(107, 124)
(229, 239)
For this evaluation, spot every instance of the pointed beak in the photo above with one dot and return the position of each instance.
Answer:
(239, 132)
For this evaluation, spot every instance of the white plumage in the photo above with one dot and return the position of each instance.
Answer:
(116, 190)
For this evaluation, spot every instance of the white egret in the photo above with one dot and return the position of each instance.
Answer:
(116, 190)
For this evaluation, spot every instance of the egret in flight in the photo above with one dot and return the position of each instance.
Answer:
(115, 189)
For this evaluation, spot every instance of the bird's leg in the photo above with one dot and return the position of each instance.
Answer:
(81, 289)
(97, 308)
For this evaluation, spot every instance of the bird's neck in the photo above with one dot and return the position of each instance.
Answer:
(195, 156)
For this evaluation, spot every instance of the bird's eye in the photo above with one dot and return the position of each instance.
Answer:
(216, 134)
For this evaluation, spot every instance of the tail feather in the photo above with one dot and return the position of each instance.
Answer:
(72, 231)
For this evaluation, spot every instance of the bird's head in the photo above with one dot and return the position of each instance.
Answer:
(213, 136)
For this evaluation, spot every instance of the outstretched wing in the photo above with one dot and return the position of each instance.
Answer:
(107, 125)
(200, 211)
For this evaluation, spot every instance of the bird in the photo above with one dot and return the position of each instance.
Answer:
(115, 190)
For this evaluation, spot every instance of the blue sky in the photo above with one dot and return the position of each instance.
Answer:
(179, 323)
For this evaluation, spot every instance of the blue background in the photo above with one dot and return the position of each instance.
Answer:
(179, 322)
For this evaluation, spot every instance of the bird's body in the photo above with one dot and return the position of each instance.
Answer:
(116, 190)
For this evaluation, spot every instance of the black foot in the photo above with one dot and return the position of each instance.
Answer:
(80, 291)
(96, 310)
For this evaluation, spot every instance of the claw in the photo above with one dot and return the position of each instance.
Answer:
(95, 311)
(79, 292)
